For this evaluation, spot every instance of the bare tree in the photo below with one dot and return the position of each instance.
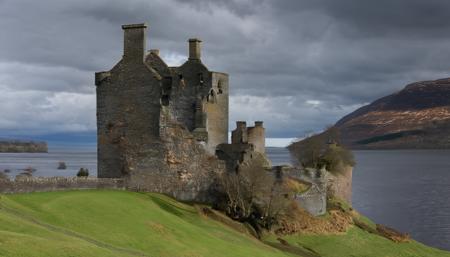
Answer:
(254, 195)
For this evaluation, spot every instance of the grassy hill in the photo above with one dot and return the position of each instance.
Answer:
(119, 223)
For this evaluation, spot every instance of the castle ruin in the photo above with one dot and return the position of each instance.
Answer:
(159, 126)
(165, 129)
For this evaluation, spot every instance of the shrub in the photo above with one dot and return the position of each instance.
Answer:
(83, 172)
(3, 176)
(62, 166)
(322, 151)
(335, 158)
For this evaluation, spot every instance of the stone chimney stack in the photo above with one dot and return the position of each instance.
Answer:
(134, 41)
(194, 49)
(154, 51)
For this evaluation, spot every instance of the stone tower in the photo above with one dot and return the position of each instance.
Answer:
(159, 126)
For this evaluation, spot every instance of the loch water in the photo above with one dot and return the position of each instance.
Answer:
(408, 190)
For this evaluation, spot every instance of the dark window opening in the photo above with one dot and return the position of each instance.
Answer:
(219, 87)
(165, 99)
(110, 126)
(182, 83)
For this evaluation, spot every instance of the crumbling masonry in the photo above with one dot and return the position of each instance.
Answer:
(165, 129)
(159, 126)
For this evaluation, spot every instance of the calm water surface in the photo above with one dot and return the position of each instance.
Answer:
(46, 164)
(407, 190)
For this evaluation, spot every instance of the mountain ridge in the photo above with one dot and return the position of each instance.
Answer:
(418, 116)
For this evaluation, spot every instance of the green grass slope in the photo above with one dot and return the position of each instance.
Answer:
(358, 243)
(120, 223)
(115, 223)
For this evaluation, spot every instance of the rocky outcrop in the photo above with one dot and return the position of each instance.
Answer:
(16, 146)
(416, 117)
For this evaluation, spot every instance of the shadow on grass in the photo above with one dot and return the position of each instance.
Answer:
(168, 207)
(300, 251)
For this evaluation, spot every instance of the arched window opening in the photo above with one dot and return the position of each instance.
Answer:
(219, 87)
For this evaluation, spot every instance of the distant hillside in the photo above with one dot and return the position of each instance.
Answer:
(18, 146)
(416, 117)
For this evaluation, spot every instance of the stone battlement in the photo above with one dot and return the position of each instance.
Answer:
(250, 135)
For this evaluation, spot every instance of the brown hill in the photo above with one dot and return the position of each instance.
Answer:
(416, 117)
(18, 146)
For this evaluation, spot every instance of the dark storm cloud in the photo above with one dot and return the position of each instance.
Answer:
(305, 63)
(377, 17)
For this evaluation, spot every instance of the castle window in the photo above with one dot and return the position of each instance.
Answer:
(165, 100)
(211, 96)
(219, 87)
(182, 83)
(200, 78)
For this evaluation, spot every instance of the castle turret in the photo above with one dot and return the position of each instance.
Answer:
(239, 135)
(194, 48)
(256, 136)
(134, 42)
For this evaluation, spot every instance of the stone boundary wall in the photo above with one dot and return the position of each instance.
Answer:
(46, 184)
(314, 200)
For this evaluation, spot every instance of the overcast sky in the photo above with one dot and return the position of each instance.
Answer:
(298, 65)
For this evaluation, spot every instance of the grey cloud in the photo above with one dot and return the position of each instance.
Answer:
(281, 54)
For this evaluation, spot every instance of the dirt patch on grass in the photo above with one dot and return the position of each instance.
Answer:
(156, 227)
(392, 234)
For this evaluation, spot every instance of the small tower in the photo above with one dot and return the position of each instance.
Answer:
(257, 137)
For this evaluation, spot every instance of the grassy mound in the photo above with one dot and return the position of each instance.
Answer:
(119, 223)
(115, 223)
(356, 242)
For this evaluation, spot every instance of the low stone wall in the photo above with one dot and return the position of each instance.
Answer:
(314, 200)
(44, 184)
(341, 184)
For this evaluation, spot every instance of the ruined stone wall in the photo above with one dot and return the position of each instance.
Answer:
(41, 184)
(217, 111)
(191, 82)
(314, 200)
(186, 170)
(240, 134)
(153, 60)
(340, 184)
(158, 126)
(128, 109)
(110, 157)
